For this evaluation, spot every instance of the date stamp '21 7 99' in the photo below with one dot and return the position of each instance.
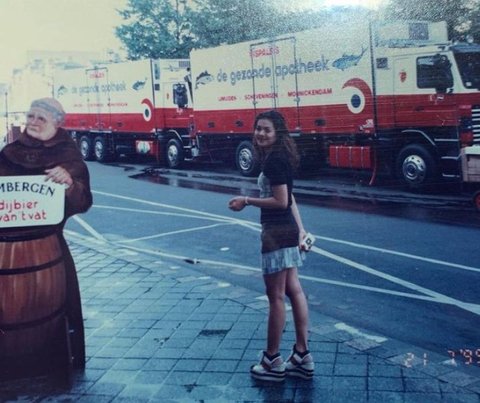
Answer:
(464, 356)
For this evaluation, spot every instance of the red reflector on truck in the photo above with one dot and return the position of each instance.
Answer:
(350, 157)
(466, 138)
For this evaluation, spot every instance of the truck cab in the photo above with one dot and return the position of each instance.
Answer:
(427, 103)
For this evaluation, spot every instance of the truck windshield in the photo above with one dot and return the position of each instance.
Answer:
(469, 67)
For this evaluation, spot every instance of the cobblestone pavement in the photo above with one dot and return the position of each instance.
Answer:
(158, 331)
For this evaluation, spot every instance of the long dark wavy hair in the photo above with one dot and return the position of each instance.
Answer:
(284, 142)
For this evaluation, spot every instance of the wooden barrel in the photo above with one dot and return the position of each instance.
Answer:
(32, 294)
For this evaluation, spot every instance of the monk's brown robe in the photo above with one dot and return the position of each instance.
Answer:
(29, 156)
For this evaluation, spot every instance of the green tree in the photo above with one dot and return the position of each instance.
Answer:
(171, 28)
(460, 15)
(232, 21)
(156, 28)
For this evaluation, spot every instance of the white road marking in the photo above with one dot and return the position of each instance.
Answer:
(474, 308)
(156, 212)
(402, 254)
(89, 229)
(256, 227)
(429, 295)
(356, 332)
(169, 206)
(181, 231)
(309, 278)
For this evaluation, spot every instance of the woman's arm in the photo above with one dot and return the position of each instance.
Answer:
(278, 200)
(296, 214)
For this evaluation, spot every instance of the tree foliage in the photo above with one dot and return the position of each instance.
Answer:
(224, 21)
(171, 28)
(156, 28)
(462, 16)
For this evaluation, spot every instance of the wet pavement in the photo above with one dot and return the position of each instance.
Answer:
(446, 203)
(324, 187)
(159, 331)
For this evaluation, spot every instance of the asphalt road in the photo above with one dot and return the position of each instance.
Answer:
(390, 262)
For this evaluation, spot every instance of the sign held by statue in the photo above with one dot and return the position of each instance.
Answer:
(27, 201)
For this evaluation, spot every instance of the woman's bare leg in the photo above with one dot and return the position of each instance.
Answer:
(294, 291)
(275, 289)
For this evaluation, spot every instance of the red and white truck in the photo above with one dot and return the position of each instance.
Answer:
(126, 108)
(394, 96)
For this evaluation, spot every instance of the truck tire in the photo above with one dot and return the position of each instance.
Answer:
(245, 161)
(100, 148)
(415, 166)
(174, 154)
(86, 148)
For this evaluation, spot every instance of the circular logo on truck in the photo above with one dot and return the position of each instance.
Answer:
(356, 92)
(147, 109)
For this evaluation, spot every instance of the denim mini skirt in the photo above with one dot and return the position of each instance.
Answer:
(280, 249)
(282, 259)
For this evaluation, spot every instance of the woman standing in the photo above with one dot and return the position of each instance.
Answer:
(282, 232)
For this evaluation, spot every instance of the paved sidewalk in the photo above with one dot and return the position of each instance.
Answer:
(159, 331)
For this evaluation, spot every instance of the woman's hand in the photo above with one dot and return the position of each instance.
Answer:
(237, 203)
(301, 235)
(59, 175)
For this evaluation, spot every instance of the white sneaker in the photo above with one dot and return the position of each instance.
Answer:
(269, 370)
(298, 366)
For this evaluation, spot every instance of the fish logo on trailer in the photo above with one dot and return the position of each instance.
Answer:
(203, 79)
(347, 61)
(138, 85)
(62, 90)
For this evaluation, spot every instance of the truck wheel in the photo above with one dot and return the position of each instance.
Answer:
(245, 161)
(101, 150)
(415, 166)
(86, 148)
(174, 153)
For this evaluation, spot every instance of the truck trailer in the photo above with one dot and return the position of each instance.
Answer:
(379, 96)
(127, 107)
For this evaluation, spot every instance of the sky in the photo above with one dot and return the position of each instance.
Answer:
(74, 25)
(57, 25)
